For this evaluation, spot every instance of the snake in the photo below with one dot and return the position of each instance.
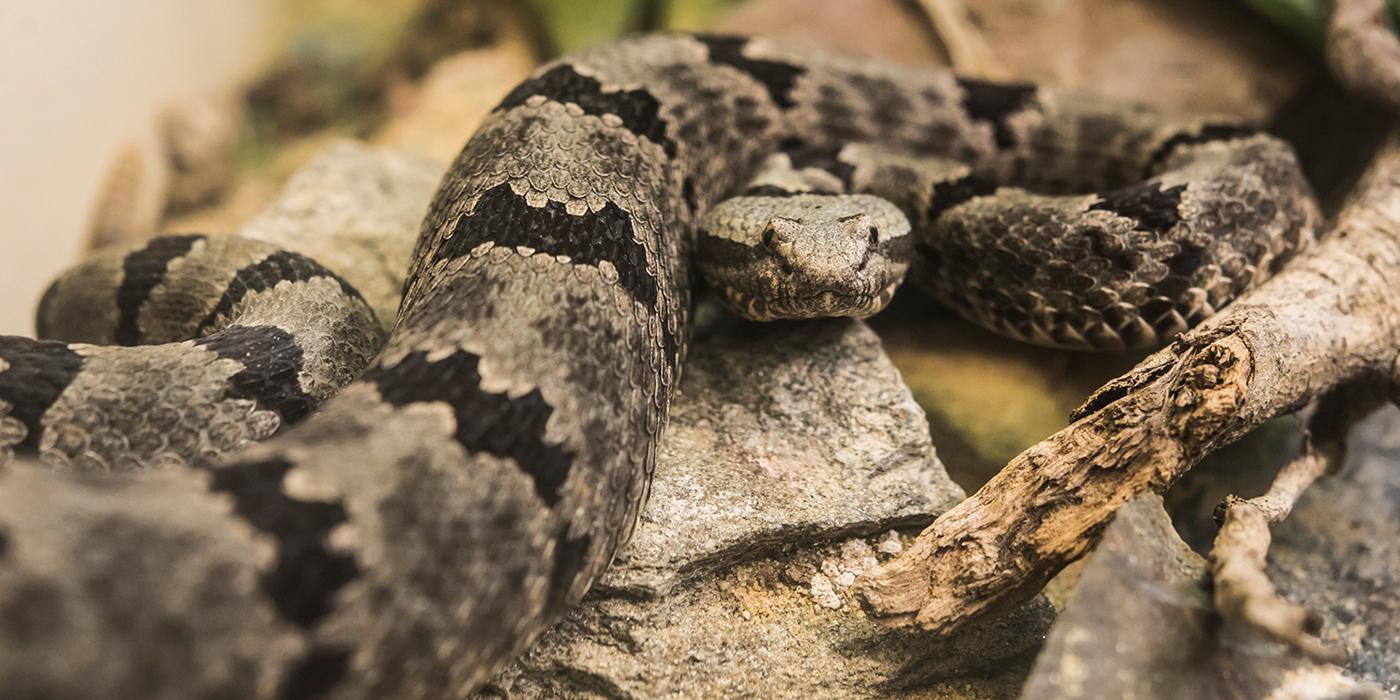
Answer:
(409, 534)
(832, 230)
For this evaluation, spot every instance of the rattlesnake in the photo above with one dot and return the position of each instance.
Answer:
(422, 527)
(816, 232)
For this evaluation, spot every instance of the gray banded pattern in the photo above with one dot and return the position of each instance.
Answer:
(229, 340)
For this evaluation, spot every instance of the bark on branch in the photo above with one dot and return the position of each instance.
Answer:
(1243, 591)
(1331, 318)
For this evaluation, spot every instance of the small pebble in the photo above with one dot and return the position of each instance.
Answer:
(824, 593)
(891, 544)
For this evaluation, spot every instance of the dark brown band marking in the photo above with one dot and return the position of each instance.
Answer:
(775, 76)
(570, 554)
(317, 673)
(951, 193)
(639, 110)
(770, 191)
(824, 158)
(1153, 208)
(142, 270)
(272, 363)
(39, 371)
(308, 573)
(510, 428)
(995, 103)
(1207, 133)
(502, 217)
(265, 274)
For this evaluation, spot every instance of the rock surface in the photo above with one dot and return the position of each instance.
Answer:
(1339, 552)
(1141, 624)
(793, 450)
(355, 210)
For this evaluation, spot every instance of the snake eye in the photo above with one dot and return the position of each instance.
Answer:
(768, 236)
(874, 235)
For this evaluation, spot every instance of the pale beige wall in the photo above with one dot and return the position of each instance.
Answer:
(80, 78)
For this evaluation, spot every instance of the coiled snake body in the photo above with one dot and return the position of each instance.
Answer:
(416, 532)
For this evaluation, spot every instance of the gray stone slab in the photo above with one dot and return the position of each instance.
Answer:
(793, 451)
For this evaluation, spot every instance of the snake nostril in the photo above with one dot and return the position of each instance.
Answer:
(783, 256)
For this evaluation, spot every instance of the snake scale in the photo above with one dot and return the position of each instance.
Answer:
(416, 532)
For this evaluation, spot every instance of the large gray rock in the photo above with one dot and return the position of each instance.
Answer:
(355, 210)
(782, 434)
(1141, 624)
(794, 451)
(1339, 552)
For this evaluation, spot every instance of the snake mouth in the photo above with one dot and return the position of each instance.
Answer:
(819, 304)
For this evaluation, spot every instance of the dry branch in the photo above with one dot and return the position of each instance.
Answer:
(1243, 591)
(1363, 51)
(1331, 318)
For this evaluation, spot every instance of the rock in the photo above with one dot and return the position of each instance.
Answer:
(782, 434)
(987, 398)
(1339, 552)
(1141, 624)
(792, 452)
(891, 544)
(355, 210)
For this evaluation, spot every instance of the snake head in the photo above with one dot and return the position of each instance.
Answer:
(805, 256)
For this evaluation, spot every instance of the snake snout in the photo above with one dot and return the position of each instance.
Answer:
(864, 235)
(823, 252)
(783, 239)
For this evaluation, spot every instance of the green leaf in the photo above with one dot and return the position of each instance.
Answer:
(571, 24)
(694, 15)
(1305, 19)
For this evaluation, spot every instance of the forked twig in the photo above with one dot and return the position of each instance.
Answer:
(1243, 591)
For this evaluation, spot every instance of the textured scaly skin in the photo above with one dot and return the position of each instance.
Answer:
(421, 529)
(187, 348)
(1130, 266)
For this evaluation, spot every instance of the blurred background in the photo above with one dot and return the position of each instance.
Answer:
(83, 79)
